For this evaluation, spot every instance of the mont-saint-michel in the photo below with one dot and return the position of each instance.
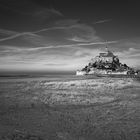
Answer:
(107, 64)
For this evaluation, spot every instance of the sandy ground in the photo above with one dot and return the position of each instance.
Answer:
(86, 109)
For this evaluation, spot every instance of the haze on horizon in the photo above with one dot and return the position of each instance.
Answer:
(64, 35)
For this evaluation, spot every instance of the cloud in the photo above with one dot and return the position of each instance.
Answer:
(22, 40)
(30, 8)
(130, 53)
(66, 22)
(51, 28)
(27, 15)
(61, 57)
(55, 64)
(12, 36)
(102, 21)
(78, 45)
(45, 13)
(7, 32)
(66, 45)
(74, 31)
(57, 36)
(83, 33)
(84, 38)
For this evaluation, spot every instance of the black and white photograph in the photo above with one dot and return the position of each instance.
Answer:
(69, 70)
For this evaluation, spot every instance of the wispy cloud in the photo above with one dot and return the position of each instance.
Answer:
(27, 35)
(11, 37)
(102, 21)
(36, 10)
(70, 30)
(55, 64)
(68, 46)
(75, 33)
(72, 45)
(51, 28)
(7, 32)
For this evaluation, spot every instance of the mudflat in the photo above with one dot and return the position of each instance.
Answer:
(70, 109)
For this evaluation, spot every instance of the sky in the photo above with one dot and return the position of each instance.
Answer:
(52, 35)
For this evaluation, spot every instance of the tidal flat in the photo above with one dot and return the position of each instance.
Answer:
(70, 109)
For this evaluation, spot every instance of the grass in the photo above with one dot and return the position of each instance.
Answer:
(100, 109)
